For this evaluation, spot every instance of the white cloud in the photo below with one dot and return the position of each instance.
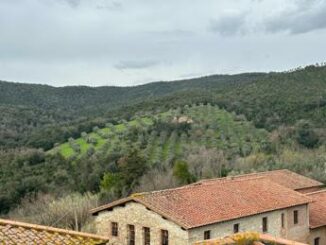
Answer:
(125, 42)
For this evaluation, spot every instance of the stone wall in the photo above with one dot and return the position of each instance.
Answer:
(317, 232)
(251, 223)
(298, 232)
(139, 216)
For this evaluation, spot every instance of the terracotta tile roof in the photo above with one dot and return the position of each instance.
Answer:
(201, 204)
(258, 238)
(317, 209)
(283, 177)
(13, 233)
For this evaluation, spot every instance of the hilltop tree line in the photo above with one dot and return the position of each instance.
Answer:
(289, 107)
(270, 100)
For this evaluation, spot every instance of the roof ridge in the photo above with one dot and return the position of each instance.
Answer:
(263, 174)
(192, 185)
(316, 192)
(51, 229)
(246, 174)
(297, 192)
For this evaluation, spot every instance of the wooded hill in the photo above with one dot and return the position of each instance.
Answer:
(269, 100)
(78, 139)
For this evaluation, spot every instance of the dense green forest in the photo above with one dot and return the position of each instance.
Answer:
(112, 141)
(269, 100)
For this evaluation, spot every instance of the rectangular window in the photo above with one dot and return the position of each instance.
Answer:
(282, 220)
(147, 236)
(165, 237)
(207, 235)
(114, 229)
(265, 224)
(317, 241)
(295, 217)
(131, 235)
(236, 228)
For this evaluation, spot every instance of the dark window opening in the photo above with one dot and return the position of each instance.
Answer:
(114, 229)
(282, 220)
(147, 236)
(265, 224)
(165, 237)
(295, 217)
(236, 228)
(131, 235)
(317, 241)
(207, 235)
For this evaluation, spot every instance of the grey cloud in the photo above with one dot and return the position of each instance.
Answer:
(72, 3)
(301, 17)
(135, 64)
(309, 16)
(230, 24)
(113, 6)
(98, 4)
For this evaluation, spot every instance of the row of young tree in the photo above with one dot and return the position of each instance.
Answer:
(25, 173)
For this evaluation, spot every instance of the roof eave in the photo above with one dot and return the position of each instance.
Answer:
(311, 227)
(95, 211)
(52, 229)
(244, 216)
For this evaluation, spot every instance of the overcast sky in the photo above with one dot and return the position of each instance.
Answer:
(129, 42)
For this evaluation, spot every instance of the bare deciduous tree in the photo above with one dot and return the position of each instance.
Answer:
(70, 212)
(206, 163)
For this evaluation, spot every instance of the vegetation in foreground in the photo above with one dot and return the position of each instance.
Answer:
(58, 141)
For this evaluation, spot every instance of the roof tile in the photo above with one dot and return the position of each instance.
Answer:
(317, 209)
(12, 232)
(283, 177)
(216, 201)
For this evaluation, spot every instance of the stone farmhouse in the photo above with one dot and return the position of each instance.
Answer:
(278, 203)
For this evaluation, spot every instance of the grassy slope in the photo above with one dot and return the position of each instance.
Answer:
(211, 127)
(67, 150)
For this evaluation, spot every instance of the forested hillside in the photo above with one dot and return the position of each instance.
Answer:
(269, 100)
(114, 141)
(31, 109)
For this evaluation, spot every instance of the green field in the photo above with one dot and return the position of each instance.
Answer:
(208, 126)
